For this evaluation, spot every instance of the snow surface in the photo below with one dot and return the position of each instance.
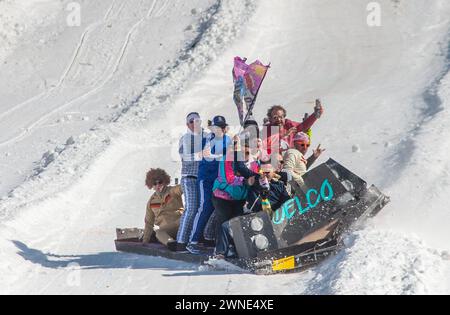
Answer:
(85, 111)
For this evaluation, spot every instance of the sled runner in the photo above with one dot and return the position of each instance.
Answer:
(305, 231)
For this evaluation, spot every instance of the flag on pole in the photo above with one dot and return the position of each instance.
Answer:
(247, 82)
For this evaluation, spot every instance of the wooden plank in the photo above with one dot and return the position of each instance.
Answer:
(124, 234)
(157, 250)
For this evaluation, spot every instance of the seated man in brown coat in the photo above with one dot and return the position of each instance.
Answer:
(164, 209)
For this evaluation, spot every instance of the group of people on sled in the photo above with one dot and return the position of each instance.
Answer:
(224, 176)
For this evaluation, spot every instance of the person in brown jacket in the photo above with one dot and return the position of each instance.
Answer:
(164, 209)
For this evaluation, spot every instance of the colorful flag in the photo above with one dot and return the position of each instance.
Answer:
(247, 82)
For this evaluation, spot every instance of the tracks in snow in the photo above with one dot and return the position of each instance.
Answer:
(112, 15)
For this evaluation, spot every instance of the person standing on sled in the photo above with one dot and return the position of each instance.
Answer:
(164, 209)
(215, 151)
(295, 163)
(232, 185)
(190, 149)
(281, 131)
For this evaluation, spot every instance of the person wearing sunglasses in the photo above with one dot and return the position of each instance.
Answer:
(191, 146)
(295, 162)
(266, 186)
(270, 186)
(164, 209)
(281, 130)
(231, 188)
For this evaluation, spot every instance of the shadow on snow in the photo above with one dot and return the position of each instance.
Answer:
(110, 260)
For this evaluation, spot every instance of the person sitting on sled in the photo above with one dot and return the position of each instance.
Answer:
(269, 187)
(280, 131)
(258, 153)
(267, 192)
(164, 209)
(295, 163)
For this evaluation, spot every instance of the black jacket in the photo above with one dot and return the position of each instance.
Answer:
(278, 195)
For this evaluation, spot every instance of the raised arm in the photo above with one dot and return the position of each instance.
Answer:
(301, 126)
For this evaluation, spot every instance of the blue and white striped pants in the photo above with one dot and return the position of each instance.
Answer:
(204, 212)
(191, 196)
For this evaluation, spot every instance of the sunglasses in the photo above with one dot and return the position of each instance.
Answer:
(157, 182)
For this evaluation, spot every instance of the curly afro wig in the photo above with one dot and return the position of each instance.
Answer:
(156, 174)
(276, 108)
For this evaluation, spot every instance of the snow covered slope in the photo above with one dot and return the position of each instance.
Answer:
(386, 91)
(71, 79)
(20, 18)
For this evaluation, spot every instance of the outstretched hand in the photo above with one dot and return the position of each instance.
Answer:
(318, 109)
(318, 152)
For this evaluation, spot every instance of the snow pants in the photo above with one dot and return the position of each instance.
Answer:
(225, 244)
(226, 210)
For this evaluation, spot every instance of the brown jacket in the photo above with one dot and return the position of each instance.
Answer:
(162, 210)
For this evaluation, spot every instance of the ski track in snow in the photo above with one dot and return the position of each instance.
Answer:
(97, 87)
(169, 82)
(66, 72)
(430, 108)
(98, 179)
(219, 23)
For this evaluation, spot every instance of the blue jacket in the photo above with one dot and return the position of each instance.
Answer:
(208, 169)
